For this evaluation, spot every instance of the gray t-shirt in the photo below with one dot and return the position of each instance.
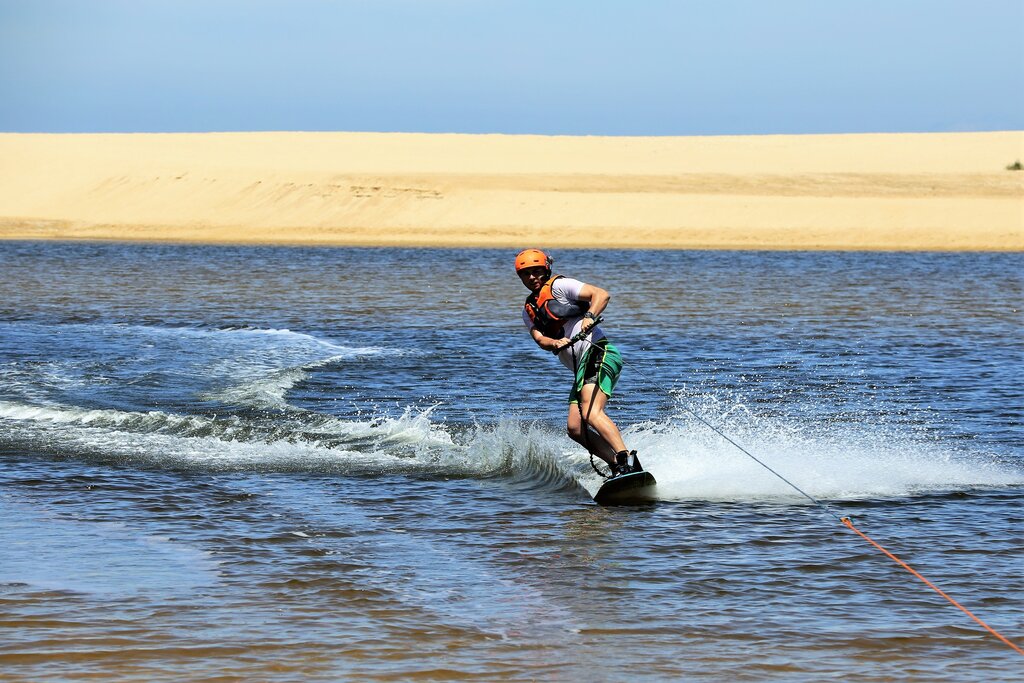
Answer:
(566, 290)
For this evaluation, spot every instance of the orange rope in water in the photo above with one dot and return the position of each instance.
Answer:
(848, 523)
(844, 520)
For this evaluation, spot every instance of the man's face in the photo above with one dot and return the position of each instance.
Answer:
(533, 277)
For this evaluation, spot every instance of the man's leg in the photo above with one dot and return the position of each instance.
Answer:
(593, 402)
(593, 441)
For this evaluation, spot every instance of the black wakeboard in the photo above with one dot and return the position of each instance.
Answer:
(627, 489)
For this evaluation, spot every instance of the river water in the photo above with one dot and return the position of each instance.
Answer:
(286, 464)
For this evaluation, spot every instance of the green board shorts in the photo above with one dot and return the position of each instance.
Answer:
(601, 364)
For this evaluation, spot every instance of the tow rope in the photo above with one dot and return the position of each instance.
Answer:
(845, 521)
(997, 634)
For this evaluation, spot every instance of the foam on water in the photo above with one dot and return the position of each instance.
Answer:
(251, 367)
(268, 388)
(261, 374)
(827, 461)
(257, 368)
(690, 461)
(409, 443)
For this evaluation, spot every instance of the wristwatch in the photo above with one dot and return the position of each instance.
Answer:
(589, 316)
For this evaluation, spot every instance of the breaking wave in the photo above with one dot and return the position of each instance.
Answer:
(690, 461)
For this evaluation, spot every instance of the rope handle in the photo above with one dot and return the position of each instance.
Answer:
(579, 335)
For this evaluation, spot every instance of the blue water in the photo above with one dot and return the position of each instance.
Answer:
(324, 464)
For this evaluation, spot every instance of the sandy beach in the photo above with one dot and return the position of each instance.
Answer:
(949, 191)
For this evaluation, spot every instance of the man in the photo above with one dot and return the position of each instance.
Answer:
(557, 309)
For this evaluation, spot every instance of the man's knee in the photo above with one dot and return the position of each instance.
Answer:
(574, 430)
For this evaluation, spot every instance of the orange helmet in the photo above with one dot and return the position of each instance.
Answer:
(530, 258)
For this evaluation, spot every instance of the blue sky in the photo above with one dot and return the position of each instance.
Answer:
(640, 67)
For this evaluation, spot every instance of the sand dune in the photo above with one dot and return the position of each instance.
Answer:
(903, 191)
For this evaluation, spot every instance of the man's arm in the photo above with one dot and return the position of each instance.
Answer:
(597, 298)
(547, 343)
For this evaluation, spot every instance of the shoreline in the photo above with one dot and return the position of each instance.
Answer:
(858, 192)
(284, 244)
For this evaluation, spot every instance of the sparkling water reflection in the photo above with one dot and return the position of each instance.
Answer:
(324, 464)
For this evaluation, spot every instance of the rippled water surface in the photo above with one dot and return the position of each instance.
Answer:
(349, 464)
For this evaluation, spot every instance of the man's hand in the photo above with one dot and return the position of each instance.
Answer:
(559, 344)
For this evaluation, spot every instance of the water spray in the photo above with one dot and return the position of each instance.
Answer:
(845, 521)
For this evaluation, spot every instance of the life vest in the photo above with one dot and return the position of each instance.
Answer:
(548, 314)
